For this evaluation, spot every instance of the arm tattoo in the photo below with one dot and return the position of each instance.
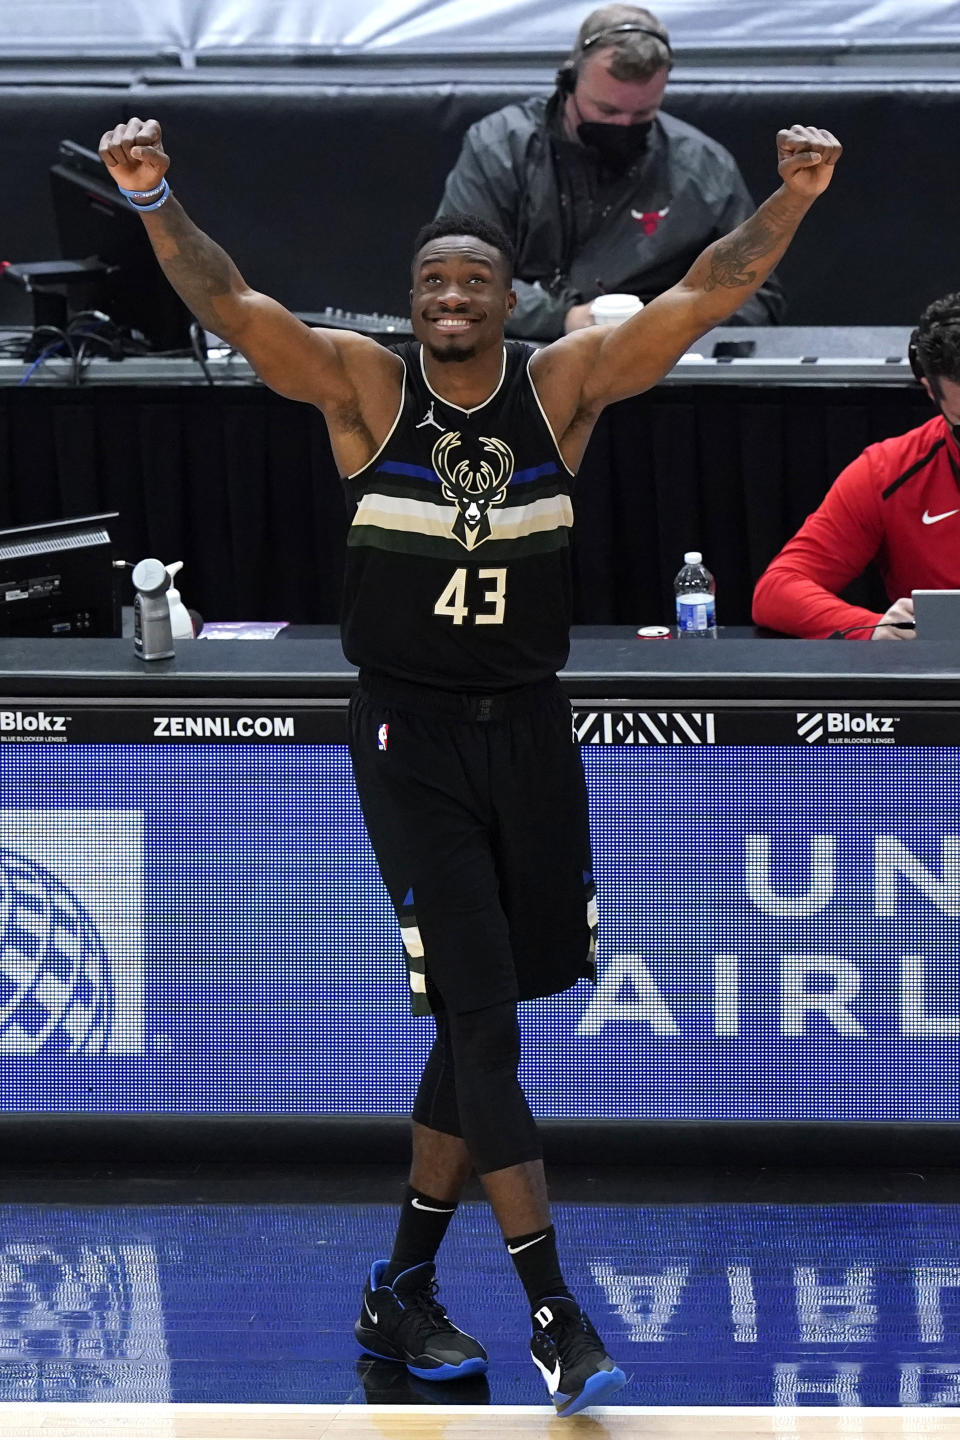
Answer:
(731, 256)
(765, 233)
(197, 268)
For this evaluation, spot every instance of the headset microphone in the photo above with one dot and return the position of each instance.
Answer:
(946, 312)
(567, 74)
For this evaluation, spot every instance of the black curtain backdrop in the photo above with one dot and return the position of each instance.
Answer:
(331, 221)
(241, 486)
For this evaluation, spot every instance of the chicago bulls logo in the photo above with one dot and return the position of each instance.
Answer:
(473, 488)
(650, 219)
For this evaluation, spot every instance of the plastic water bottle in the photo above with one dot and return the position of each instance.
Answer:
(695, 589)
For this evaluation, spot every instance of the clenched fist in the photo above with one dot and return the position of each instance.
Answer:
(134, 154)
(806, 157)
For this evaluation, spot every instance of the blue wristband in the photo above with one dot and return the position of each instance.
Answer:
(162, 192)
(143, 194)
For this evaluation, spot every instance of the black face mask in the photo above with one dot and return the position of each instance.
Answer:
(619, 145)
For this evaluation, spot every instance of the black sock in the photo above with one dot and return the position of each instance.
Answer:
(423, 1224)
(538, 1265)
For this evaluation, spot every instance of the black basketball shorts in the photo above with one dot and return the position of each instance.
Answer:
(476, 807)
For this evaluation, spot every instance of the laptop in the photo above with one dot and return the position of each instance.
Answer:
(937, 614)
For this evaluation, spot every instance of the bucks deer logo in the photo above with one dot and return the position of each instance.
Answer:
(472, 487)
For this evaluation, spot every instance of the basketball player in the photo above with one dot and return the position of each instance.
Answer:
(459, 452)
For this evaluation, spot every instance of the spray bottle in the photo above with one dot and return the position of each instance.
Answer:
(181, 622)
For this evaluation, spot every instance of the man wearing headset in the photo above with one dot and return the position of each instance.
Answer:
(898, 503)
(598, 189)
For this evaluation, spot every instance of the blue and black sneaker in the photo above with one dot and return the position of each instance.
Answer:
(387, 1383)
(405, 1322)
(570, 1356)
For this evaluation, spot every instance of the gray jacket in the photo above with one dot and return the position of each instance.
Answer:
(579, 233)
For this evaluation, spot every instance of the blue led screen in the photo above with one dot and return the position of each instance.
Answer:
(201, 928)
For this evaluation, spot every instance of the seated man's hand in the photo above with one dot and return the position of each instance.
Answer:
(578, 317)
(901, 609)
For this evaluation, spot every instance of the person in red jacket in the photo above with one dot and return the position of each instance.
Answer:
(898, 503)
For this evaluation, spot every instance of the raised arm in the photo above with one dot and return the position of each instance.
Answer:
(302, 363)
(766, 305)
(580, 374)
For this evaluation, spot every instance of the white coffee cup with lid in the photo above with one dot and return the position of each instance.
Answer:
(614, 309)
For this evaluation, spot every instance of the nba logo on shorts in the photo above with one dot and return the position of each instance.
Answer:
(71, 932)
(382, 735)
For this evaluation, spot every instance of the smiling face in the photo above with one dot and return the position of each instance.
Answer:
(461, 297)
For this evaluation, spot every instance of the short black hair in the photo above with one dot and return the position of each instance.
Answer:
(937, 339)
(475, 226)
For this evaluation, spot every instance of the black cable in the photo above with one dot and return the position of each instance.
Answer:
(77, 368)
(88, 325)
(51, 330)
(880, 625)
(64, 341)
(14, 339)
(93, 327)
(84, 355)
(197, 346)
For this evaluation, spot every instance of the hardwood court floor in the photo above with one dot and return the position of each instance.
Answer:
(338, 1422)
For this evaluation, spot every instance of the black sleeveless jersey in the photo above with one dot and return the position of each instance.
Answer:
(458, 563)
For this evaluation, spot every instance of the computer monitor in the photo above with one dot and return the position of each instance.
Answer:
(94, 219)
(58, 578)
(937, 614)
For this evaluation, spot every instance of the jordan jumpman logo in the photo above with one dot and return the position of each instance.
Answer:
(429, 419)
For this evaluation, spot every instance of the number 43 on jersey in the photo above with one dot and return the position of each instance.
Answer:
(487, 608)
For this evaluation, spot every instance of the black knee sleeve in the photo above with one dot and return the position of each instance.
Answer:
(494, 1116)
(435, 1104)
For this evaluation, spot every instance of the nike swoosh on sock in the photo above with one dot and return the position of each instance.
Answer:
(434, 1209)
(515, 1249)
